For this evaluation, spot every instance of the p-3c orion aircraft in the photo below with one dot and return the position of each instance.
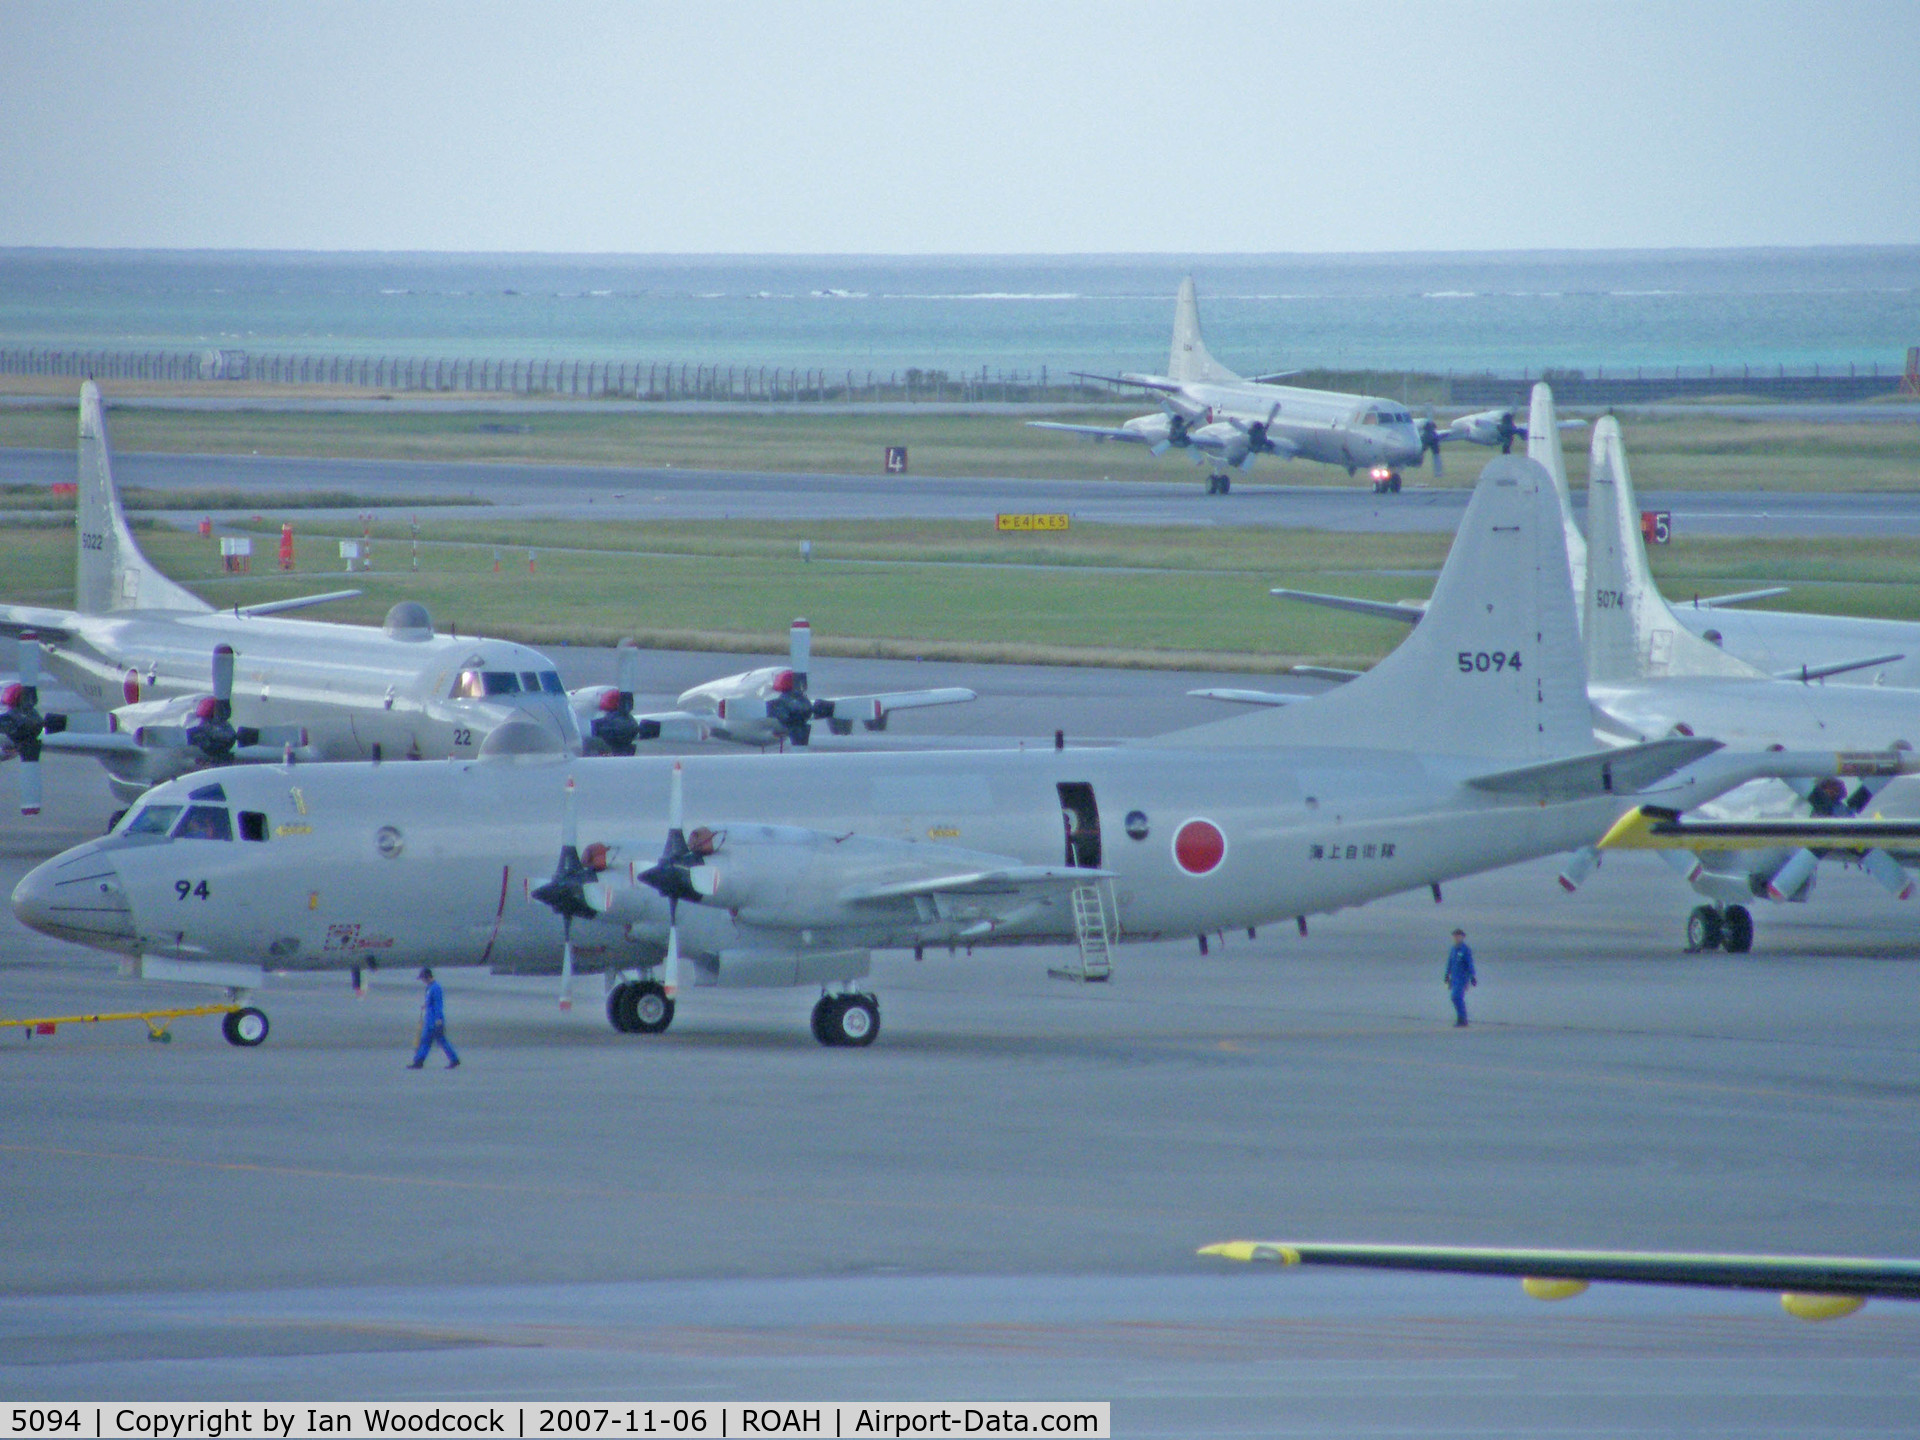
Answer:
(187, 686)
(1226, 419)
(1468, 748)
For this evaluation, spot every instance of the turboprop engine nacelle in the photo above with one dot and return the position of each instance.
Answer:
(1487, 427)
(1224, 441)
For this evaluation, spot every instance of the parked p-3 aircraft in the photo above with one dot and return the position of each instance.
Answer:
(1226, 419)
(769, 706)
(796, 872)
(188, 686)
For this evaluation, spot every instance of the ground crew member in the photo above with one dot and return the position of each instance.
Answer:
(1459, 976)
(433, 1023)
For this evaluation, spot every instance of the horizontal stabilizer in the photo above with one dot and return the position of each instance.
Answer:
(1606, 772)
(1245, 697)
(21, 621)
(1008, 881)
(1407, 612)
(1339, 675)
(1807, 1275)
(1806, 673)
(1739, 597)
(1144, 382)
(297, 602)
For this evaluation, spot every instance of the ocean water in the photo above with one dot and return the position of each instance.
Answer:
(1462, 312)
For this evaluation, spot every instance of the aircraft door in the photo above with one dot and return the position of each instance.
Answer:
(1080, 818)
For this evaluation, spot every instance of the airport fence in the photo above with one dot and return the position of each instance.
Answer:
(690, 380)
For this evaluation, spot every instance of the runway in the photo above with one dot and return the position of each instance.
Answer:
(1002, 1197)
(601, 493)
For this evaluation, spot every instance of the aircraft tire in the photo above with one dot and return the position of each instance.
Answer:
(245, 1028)
(1736, 930)
(620, 1007)
(652, 1010)
(1703, 929)
(1226, 484)
(854, 1020)
(1393, 483)
(821, 1021)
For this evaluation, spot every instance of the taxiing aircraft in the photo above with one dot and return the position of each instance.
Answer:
(1226, 420)
(770, 706)
(188, 686)
(1811, 1287)
(796, 872)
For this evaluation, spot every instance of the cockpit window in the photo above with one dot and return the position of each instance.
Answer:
(468, 687)
(530, 681)
(204, 822)
(253, 825)
(1372, 417)
(153, 820)
(210, 792)
(502, 682)
(550, 682)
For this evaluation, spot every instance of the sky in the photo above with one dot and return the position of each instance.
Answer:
(976, 127)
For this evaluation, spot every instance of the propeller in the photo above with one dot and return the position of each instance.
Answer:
(1508, 432)
(1177, 427)
(614, 727)
(1256, 433)
(566, 893)
(22, 724)
(1430, 444)
(678, 875)
(792, 708)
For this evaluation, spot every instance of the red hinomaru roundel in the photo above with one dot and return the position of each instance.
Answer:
(1199, 846)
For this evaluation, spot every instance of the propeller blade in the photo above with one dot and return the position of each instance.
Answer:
(670, 972)
(30, 661)
(223, 674)
(674, 796)
(29, 785)
(800, 651)
(566, 965)
(570, 818)
(626, 669)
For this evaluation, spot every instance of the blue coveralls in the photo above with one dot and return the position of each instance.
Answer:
(1459, 976)
(433, 1027)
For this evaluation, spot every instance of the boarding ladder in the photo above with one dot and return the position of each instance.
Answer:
(1096, 927)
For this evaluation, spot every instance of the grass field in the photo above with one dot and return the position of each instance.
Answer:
(1678, 453)
(1117, 595)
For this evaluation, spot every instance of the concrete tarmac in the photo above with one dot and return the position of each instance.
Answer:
(1001, 1198)
(607, 493)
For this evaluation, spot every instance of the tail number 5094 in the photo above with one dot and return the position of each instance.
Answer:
(1481, 662)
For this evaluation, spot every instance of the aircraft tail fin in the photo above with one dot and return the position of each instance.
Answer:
(1543, 444)
(1493, 670)
(1190, 363)
(112, 574)
(1631, 633)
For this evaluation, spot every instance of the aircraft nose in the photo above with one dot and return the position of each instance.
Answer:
(77, 896)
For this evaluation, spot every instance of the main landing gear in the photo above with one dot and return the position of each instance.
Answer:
(1711, 928)
(245, 1027)
(639, 1007)
(846, 1019)
(1219, 485)
(1385, 481)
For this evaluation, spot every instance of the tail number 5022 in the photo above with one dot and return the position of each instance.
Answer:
(1481, 662)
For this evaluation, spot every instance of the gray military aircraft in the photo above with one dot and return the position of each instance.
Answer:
(769, 706)
(1226, 420)
(796, 872)
(187, 686)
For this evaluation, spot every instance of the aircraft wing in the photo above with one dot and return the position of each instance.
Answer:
(1652, 827)
(1403, 610)
(1814, 1287)
(1092, 432)
(98, 743)
(297, 602)
(1012, 880)
(840, 711)
(678, 725)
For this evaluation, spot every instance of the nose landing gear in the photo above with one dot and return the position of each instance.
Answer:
(1386, 480)
(1219, 485)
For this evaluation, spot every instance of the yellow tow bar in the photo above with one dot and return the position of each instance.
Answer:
(243, 1025)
